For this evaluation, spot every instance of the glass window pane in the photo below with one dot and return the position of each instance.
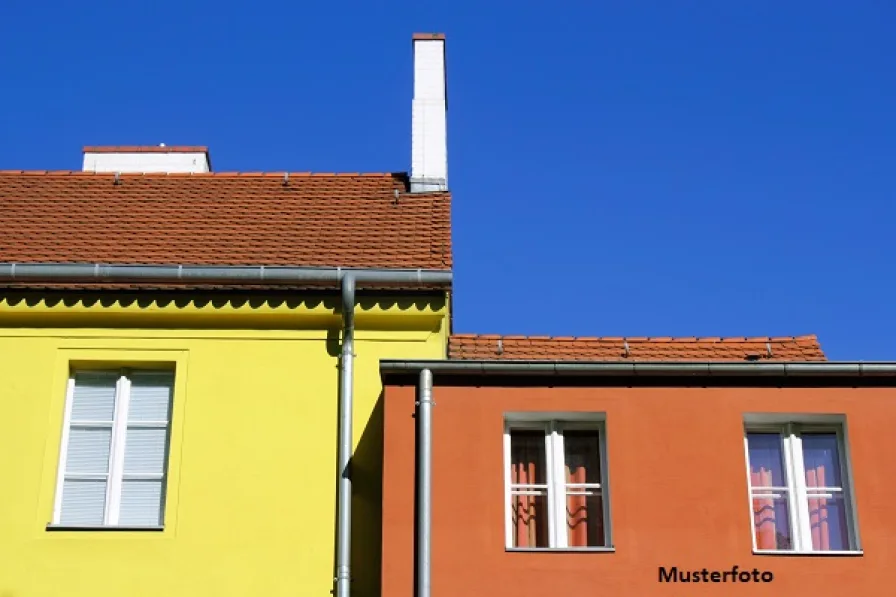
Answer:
(141, 502)
(527, 459)
(584, 519)
(83, 502)
(827, 518)
(582, 454)
(766, 460)
(150, 397)
(94, 397)
(529, 520)
(821, 456)
(771, 522)
(145, 450)
(88, 450)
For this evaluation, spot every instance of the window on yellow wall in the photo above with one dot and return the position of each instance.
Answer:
(114, 453)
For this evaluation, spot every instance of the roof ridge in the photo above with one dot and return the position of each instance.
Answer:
(200, 174)
(664, 339)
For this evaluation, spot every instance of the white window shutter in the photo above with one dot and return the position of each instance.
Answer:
(146, 449)
(88, 451)
(83, 502)
(94, 398)
(150, 397)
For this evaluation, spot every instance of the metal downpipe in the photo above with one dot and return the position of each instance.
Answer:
(424, 480)
(346, 410)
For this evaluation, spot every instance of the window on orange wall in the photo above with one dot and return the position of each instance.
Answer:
(800, 488)
(555, 485)
(114, 452)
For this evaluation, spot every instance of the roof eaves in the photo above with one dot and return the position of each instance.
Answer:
(702, 368)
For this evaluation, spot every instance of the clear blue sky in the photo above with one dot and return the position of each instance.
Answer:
(618, 168)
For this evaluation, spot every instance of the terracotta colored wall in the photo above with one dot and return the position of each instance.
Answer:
(678, 491)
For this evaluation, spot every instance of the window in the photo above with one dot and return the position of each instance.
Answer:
(799, 488)
(113, 461)
(555, 479)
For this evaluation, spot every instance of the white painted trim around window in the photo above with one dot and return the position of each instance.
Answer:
(116, 451)
(508, 527)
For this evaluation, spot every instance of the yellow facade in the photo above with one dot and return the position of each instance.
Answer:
(251, 495)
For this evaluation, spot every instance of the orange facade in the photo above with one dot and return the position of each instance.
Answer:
(677, 485)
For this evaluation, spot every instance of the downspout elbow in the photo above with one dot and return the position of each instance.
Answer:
(348, 310)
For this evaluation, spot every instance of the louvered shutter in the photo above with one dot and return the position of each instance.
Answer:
(86, 472)
(146, 449)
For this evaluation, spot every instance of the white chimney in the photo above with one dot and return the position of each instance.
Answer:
(142, 159)
(429, 138)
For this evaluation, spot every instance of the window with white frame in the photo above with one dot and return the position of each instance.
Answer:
(555, 485)
(114, 453)
(799, 488)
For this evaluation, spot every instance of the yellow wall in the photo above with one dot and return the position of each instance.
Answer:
(251, 485)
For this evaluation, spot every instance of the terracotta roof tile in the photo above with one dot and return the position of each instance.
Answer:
(492, 347)
(345, 220)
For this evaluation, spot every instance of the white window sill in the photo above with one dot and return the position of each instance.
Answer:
(781, 552)
(560, 549)
(102, 528)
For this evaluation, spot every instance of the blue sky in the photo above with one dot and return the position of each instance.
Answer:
(635, 168)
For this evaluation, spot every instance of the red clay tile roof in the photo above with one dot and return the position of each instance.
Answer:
(346, 220)
(491, 347)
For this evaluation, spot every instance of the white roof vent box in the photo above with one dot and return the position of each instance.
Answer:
(142, 159)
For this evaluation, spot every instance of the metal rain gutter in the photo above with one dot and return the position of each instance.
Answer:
(647, 368)
(99, 272)
(347, 278)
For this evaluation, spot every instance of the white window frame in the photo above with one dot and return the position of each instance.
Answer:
(115, 475)
(555, 475)
(795, 489)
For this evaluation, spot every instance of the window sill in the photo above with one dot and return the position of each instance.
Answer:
(103, 528)
(823, 554)
(560, 549)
